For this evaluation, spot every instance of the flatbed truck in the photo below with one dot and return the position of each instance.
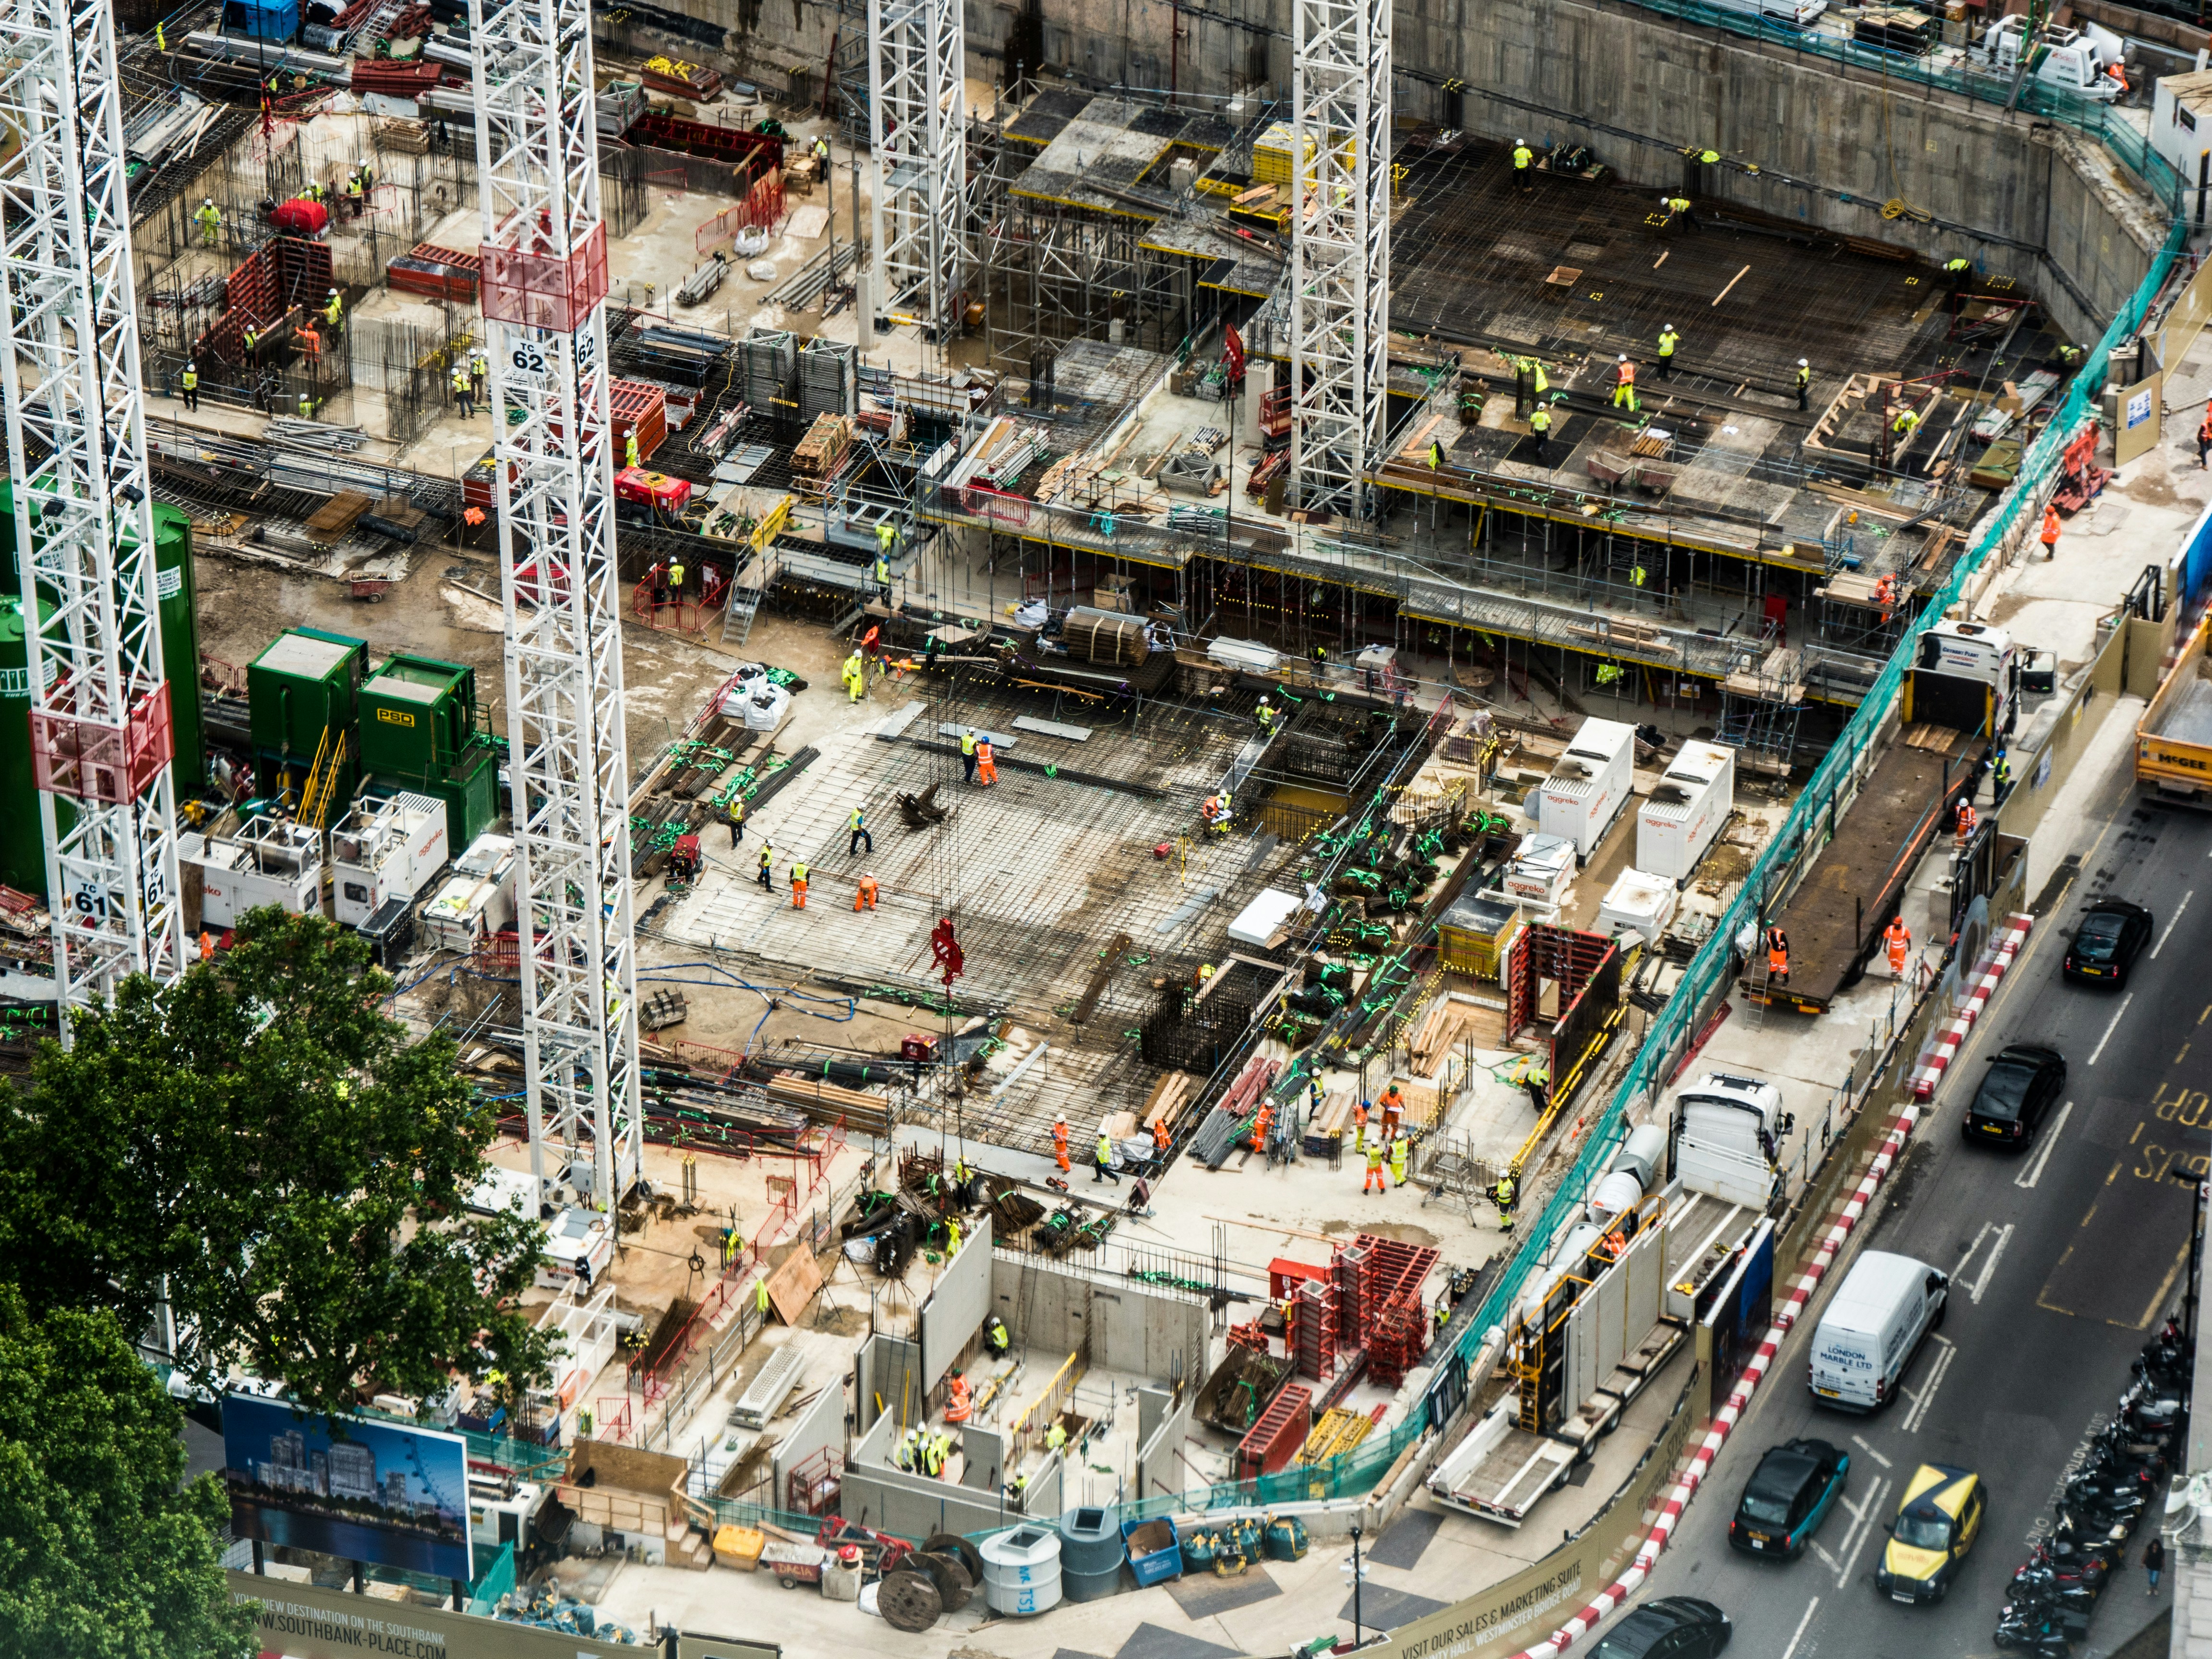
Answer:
(2173, 739)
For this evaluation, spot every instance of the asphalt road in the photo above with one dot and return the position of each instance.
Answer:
(2064, 1258)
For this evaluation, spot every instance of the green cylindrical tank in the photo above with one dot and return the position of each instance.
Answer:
(22, 837)
(180, 640)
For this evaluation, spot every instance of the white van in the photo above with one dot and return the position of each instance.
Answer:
(1872, 1329)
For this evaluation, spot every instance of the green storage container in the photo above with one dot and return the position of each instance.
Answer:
(419, 731)
(417, 716)
(179, 592)
(307, 683)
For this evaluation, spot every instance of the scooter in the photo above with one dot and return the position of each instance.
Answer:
(2038, 1636)
(2040, 1584)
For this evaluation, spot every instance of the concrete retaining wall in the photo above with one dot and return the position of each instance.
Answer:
(1060, 1308)
(2029, 199)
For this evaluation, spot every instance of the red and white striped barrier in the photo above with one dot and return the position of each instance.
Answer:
(1951, 1035)
(1614, 1595)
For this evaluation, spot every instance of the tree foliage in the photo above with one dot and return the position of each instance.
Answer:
(263, 1141)
(104, 1554)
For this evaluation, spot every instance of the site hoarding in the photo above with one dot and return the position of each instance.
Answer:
(382, 1494)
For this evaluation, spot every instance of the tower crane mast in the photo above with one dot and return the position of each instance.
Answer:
(102, 735)
(544, 292)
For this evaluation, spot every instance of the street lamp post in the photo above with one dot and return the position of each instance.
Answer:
(1356, 1576)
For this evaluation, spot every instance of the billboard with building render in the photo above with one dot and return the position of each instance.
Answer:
(362, 1489)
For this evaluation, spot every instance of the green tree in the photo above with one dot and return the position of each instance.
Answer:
(104, 1553)
(263, 1142)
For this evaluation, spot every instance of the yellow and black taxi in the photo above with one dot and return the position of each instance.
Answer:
(1936, 1523)
(1787, 1498)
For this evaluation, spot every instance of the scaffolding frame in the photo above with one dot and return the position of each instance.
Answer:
(544, 304)
(1341, 151)
(100, 715)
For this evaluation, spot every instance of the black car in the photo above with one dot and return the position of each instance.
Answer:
(1787, 1498)
(1672, 1627)
(2111, 934)
(2017, 1093)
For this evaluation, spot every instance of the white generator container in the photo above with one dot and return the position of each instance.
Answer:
(1687, 812)
(1541, 871)
(386, 852)
(1590, 786)
(269, 861)
(478, 901)
(1638, 903)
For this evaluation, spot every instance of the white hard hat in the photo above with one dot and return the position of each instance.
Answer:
(1668, 329)
(1804, 362)
(192, 368)
(208, 202)
(334, 292)
(1623, 357)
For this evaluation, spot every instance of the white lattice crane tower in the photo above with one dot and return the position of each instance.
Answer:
(544, 294)
(917, 121)
(1339, 249)
(100, 726)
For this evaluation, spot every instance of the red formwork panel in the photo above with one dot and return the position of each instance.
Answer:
(1314, 1346)
(640, 407)
(758, 152)
(1355, 1278)
(1398, 1339)
(1396, 1269)
(93, 760)
(1274, 1440)
(542, 290)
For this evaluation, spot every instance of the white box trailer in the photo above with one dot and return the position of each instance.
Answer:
(385, 852)
(478, 901)
(1590, 786)
(1687, 812)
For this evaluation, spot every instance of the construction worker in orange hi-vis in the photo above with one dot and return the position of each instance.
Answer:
(1060, 1142)
(1260, 1129)
(1884, 595)
(1777, 955)
(1393, 1103)
(1375, 1183)
(2050, 532)
(1359, 1124)
(1968, 818)
(798, 883)
(987, 768)
(863, 895)
(1160, 1135)
(1899, 937)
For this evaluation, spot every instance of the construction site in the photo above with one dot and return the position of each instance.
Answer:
(1161, 674)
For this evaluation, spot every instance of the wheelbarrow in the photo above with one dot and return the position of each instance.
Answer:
(371, 588)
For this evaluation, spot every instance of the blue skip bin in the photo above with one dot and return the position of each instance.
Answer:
(1155, 1552)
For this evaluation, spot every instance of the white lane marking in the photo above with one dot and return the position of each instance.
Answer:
(1862, 1524)
(1990, 1263)
(1921, 1401)
(2033, 1173)
(2172, 924)
(2110, 1029)
(1788, 1651)
(1971, 1248)
(1860, 1441)
(1822, 1550)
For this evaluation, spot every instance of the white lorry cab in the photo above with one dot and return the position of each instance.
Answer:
(1727, 1132)
(1872, 1327)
